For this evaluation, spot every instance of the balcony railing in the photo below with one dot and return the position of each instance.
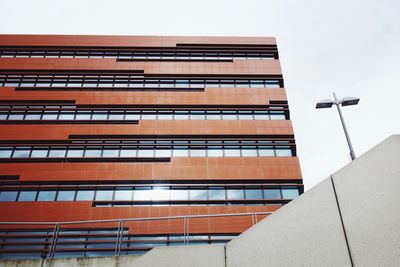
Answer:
(111, 236)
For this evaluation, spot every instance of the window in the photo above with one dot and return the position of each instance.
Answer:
(179, 194)
(27, 196)
(110, 153)
(124, 193)
(46, 196)
(66, 195)
(104, 194)
(272, 193)
(39, 153)
(196, 194)
(253, 194)
(159, 193)
(290, 192)
(7, 196)
(21, 153)
(59, 153)
(128, 153)
(85, 195)
(142, 193)
(235, 194)
(216, 193)
(215, 152)
(93, 153)
(5, 153)
(284, 152)
(75, 153)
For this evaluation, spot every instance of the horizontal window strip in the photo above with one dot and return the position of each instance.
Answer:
(157, 195)
(71, 113)
(64, 121)
(187, 53)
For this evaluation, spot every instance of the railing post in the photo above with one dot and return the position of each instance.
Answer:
(253, 220)
(53, 243)
(120, 233)
(187, 231)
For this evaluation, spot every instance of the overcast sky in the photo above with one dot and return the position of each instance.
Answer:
(350, 47)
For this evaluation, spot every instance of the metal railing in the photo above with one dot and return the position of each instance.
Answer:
(121, 223)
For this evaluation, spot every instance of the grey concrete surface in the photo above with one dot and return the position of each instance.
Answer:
(188, 256)
(121, 261)
(306, 232)
(369, 195)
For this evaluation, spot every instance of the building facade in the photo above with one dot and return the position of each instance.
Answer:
(118, 127)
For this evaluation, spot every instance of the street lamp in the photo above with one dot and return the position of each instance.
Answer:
(346, 101)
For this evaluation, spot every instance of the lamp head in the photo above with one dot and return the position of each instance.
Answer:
(349, 101)
(326, 103)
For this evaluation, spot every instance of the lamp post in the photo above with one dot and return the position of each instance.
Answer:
(346, 101)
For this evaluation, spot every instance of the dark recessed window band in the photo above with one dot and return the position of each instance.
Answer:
(177, 194)
(122, 89)
(187, 53)
(18, 114)
(9, 177)
(258, 202)
(89, 81)
(77, 160)
(176, 59)
(68, 121)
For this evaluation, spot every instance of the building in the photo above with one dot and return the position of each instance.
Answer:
(117, 127)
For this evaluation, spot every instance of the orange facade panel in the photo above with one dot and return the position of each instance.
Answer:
(284, 168)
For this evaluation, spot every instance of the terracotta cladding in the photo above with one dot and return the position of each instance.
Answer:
(251, 169)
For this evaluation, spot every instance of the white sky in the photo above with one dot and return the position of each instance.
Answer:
(351, 47)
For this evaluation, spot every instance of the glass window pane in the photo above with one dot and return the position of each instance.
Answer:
(181, 152)
(290, 193)
(49, 117)
(39, 153)
(132, 117)
(99, 117)
(283, 152)
(32, 117)
(66, 195)
(110, 153)
(92, 153)
(21, 153)
(85, 195)
(7, 196)
(272, 193)
(197, 194)
(5, 153)
(146, 153)
(82, 117)
(142, 194)
(16, 117)
(104, 194)
(235, 193)
(179, 194)
(216, 193)
(160, 194)
(46, 196)
(232, 152)
(57, 153)
(249, 152)
(266, 152)
(27, 196)
(128, 153)
(123, 194)
(163, 153)
(198, 153)
(75, 153)
(214, 152)
(253, 193)
(66, 117)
